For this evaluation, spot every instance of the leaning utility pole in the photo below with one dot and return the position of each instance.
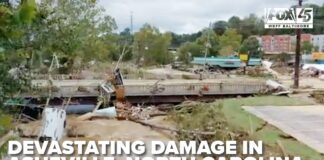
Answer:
(297, 55)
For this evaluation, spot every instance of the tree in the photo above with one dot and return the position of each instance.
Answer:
(14, 24)
(4, 2)
(126, 40)
(229, 42)
(209, 40)
(12, 53)
(13, 80)
(74, 30)
(251, 46)
(234, 22)
(307, 47)
(151, 46)
(318, 19)
(219, 27)
(178, 40)
(189, 50)
(250, 26)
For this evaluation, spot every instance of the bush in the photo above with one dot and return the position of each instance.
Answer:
(5, 123)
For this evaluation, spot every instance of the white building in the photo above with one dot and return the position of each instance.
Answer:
(318, 42)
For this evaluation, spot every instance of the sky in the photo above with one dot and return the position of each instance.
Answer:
(186, 16)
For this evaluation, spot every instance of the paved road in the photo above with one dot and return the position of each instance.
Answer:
(305, 123)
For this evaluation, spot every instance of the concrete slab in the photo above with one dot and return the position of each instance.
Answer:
(136, 88)
(305, 123)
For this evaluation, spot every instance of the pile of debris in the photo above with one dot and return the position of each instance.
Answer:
(313, 70)
(140, 113)
(258, 72)
(310, 72)
(132, 112)
(208, 122)
(318, 95)
(276, 88)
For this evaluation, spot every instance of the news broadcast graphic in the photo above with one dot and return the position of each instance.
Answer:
(288, 18)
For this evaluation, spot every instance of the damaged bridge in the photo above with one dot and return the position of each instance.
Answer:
(151, 91)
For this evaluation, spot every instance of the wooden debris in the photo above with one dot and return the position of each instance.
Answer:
(173, 130)
(6, 137)
(318, 95)
(142, 113)
(28, 118)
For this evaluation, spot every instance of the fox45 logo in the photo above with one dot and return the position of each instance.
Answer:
(289, 18)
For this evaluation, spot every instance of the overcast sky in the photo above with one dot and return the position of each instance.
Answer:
(186, 16)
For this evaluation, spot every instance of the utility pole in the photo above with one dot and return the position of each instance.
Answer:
(131, 22)
(207, 45)
(297, 55)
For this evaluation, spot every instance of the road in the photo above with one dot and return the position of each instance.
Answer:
(305, 123)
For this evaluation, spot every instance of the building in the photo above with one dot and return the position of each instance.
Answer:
(306, 38)
(303, 38)
(281, 43)
(318, 42)
(266, 43)
(277, 44)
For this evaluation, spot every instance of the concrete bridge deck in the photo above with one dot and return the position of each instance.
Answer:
(89, 88)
